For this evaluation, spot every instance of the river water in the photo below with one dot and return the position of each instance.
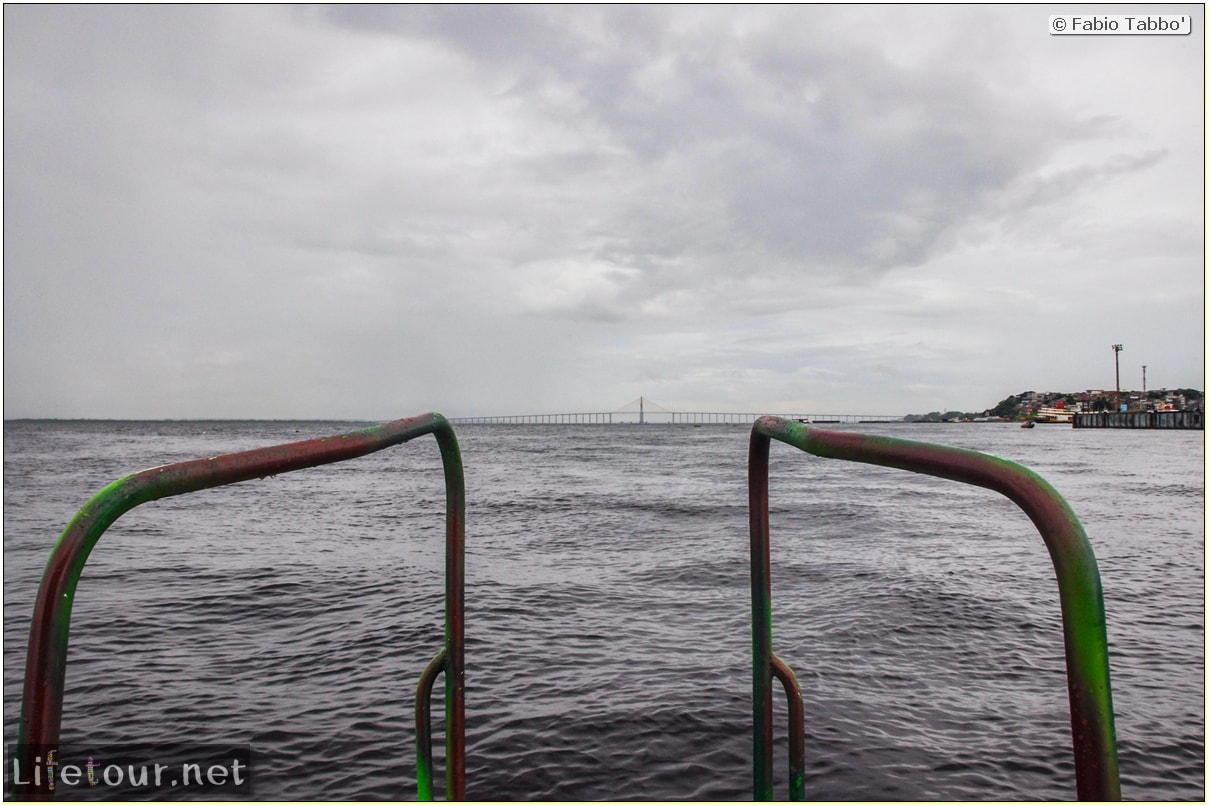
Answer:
(607, 625)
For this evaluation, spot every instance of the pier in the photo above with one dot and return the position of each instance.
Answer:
(1169, 420)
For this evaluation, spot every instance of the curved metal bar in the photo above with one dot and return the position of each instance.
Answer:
(455, 614)
(46, 661)
(424, 725)
(797, 729)
(761, 616)
(1082, 601)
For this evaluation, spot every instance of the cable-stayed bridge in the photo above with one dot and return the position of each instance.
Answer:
(642, 411)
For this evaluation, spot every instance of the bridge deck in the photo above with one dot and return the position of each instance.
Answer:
(664, 417)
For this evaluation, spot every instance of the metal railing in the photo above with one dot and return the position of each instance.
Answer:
(1093, 731)
(46, 662)
(1082, 601)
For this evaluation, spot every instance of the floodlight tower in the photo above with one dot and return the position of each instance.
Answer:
(1117, 348)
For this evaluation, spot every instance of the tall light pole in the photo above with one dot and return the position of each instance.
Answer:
(1117, 348)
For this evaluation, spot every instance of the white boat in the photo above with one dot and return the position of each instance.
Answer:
(1052, 414)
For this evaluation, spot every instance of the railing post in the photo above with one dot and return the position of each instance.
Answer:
(455, 609)
(761, 617)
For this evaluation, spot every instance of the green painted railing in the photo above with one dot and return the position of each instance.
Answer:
(46, 662)
(1082, 601)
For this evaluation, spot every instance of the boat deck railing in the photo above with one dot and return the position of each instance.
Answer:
(46, 661)
(1080, 596)
(1082, 601)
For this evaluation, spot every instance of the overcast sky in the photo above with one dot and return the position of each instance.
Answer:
(371, 212)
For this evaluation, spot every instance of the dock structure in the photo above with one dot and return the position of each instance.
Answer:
(1167, 420)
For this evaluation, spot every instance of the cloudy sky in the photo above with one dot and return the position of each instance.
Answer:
(369, 212)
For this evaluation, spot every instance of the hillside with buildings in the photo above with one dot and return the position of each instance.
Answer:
(1059, 406)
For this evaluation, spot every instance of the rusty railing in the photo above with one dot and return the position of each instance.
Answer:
(46, 662)
(1082, 602)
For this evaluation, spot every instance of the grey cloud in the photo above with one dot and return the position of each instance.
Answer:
(281, 197)
(1065, 184)
(695, 155)
(830, 159)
